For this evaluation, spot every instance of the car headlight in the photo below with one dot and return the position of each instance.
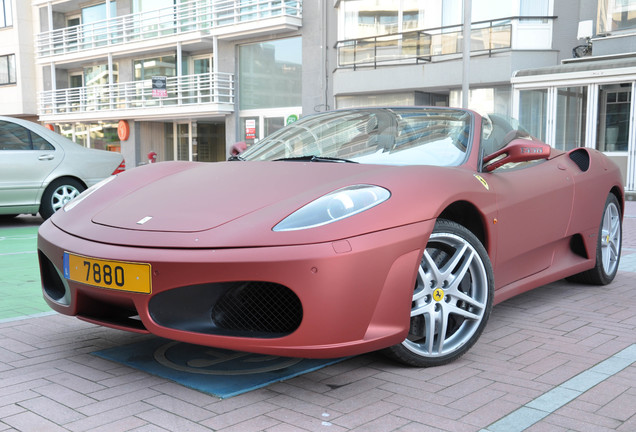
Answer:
(334, 206)
(81, 197)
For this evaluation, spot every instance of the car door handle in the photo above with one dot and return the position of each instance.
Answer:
(46, 157)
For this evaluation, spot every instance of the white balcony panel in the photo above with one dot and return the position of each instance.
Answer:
(249, 29)
(532, 36)
(193, 19)
(187, 96)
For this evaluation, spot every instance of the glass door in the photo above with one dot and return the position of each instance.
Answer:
(183, 150)
(614, 111)
(571, 117)
(533, 111)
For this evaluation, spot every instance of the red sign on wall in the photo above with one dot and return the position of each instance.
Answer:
(123, 130)
(250, 129)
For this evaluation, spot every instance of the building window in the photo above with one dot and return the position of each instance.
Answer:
(533, 112)
(7, 69)
(148, 5)
(363, 18)
(614, 102)
(6, 14)
(157, 66)
(571, 116)
(614, 15)
(534, 8)
(98, 75)
(270, 74)
(98, 12)
(491, 100)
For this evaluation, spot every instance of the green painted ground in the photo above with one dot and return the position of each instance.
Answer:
(20, 291)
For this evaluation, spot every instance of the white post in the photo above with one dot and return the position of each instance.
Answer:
(110, 80)
(179, 82)
(215, 69)
(466, 54)
(50, 23)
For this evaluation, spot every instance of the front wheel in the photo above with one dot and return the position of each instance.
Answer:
(608, 247)
(57, 194)
(452, 299)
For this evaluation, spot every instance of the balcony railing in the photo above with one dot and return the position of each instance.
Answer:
(422, 45)
(181, 91)
(192, 16)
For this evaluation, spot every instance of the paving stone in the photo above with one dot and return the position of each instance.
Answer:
(535, 348)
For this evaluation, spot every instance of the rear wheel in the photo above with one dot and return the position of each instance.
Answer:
(57, 194)
(608, 247)
(452, 299)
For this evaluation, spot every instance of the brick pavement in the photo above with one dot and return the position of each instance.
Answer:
(562, 353)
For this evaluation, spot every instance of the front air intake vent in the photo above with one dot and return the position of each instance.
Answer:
(258, 307)
(581, 158)
(255, 309)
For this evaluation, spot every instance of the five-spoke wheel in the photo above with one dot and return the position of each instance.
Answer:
(452, 298)
(608, 246)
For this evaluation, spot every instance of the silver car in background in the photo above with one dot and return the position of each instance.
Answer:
(40, 170)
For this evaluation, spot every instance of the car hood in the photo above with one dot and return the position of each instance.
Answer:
(236, 204)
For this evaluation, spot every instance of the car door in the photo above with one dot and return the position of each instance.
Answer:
(26, 160)
(534, 203)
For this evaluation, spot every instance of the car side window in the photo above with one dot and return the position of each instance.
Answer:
(40, 143)
(16, 137)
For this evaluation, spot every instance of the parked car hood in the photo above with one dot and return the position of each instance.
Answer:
(236, 204)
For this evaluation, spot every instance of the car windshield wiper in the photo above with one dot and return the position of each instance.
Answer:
(236, 158)
(314, 158)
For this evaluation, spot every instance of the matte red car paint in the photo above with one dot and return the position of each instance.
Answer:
(354, 277)
(365, 293)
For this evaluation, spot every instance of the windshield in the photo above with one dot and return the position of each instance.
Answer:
(395, 136)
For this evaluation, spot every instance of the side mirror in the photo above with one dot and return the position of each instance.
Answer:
(518, 150)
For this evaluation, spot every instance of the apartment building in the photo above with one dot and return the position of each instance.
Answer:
(17, 69)
(188, 78)
(182, 79)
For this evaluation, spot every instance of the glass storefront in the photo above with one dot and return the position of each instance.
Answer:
(270, 74)
(270, 90)
(567, 113)
(188, 141)
(98, 135)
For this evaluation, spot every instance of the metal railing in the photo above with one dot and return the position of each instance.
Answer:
(192, 16)
(421, 45)
(209, 88)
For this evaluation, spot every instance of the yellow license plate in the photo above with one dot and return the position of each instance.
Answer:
(117, 275)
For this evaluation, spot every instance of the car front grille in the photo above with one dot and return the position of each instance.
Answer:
(253, 309)
(258, 307)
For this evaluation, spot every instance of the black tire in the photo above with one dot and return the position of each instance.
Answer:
(453, 296)
(58, 193)
(608, 247)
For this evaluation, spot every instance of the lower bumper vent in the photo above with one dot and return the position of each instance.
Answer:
(258, 306)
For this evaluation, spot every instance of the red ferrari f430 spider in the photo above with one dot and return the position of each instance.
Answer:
(342, 233)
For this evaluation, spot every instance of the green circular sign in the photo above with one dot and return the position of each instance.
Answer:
(292, 118)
